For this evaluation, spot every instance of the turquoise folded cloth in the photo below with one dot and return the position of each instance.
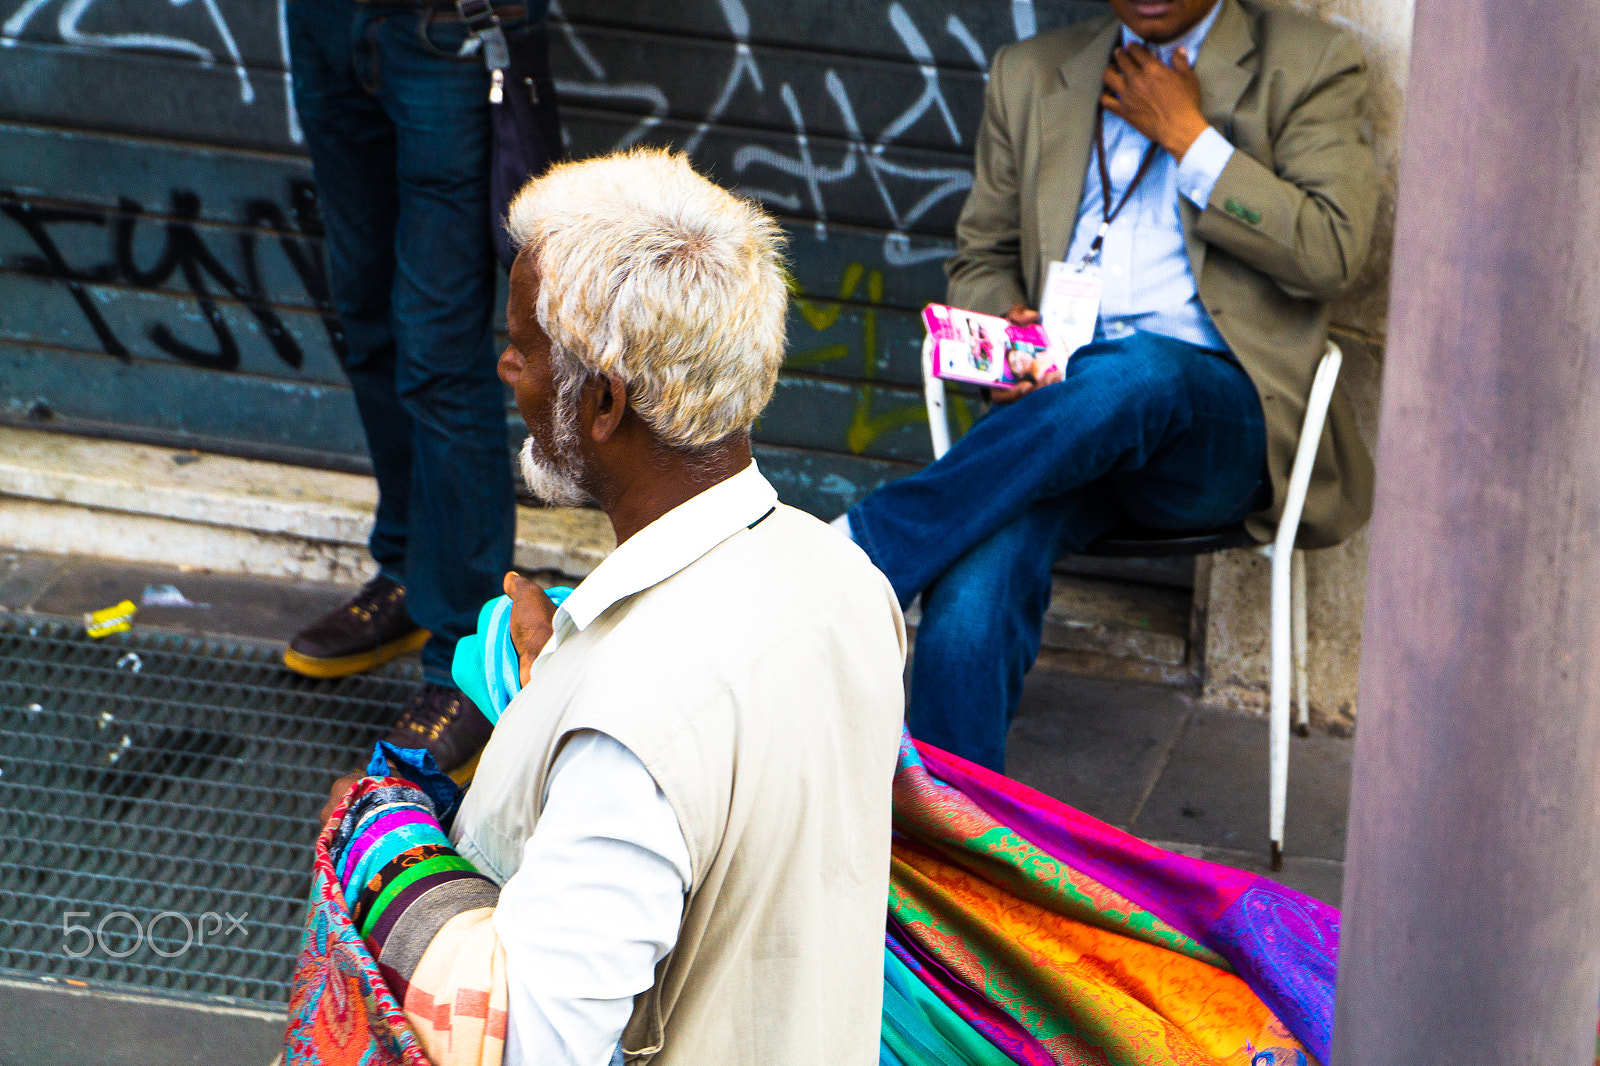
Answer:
(485, 666)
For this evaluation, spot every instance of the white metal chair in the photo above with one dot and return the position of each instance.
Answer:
(1288, 571)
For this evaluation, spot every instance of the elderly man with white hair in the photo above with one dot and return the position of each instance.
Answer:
(688, 803)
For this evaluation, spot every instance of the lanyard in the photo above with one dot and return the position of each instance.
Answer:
(1107, 212)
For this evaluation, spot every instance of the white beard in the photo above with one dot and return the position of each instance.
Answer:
(554, 478)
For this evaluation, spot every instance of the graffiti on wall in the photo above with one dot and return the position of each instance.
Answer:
(863, 152)
(71, 14)
(867, 421)
(186, 255)
(795, 179)
(760, 168)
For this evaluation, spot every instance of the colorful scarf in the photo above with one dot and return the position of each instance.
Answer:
(1062, 940)
(1019, 931)
(400, 965)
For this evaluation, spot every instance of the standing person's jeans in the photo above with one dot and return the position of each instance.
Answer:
(398, 129)
(1144, 429)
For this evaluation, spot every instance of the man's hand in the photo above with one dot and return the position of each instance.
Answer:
(532, 620)
(1159, 101)
(336, 794)
(1020, 315)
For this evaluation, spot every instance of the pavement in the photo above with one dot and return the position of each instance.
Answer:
(1147, 758)
(1154, 761)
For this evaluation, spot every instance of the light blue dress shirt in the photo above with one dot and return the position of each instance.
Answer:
(1145, 267)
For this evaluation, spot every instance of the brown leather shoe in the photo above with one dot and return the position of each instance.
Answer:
(442, 719)
(366, 632)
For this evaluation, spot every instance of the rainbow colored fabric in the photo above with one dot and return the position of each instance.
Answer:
(341, 1010)
(400, 965)
(1021, 930)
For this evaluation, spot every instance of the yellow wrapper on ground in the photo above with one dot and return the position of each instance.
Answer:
(117, 618)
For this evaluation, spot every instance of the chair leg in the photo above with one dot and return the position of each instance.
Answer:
(1283, 559)
(1278, 756)
(1302, 676)
(933, 398)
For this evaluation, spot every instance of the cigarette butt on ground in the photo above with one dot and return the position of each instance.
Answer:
(117, 618)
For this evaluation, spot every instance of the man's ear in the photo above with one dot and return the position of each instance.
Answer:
(607, 397)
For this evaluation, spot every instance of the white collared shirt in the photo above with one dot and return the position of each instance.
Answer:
(664, 547)
(1148, 280)
(598, 899)
(751, 660)
(595, 905)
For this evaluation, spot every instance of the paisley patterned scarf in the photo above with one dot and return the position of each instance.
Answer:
(400, 963)
(1019, 931)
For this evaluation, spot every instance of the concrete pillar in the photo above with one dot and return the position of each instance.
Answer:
(1472, 886)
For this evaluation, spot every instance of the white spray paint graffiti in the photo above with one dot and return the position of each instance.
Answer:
(813, 166)
(898, 251)
(73, 13)
(1022, 19)
(744, 66)
(931, 96)
(946, 181)
(958, 29)
(600, 89)
(291, 116)
(934, 184)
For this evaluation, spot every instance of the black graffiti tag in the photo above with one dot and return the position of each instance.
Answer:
(50, 263)
(184, 253)
(304, 255)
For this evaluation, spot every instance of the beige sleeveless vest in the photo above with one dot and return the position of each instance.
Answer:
(761, 686)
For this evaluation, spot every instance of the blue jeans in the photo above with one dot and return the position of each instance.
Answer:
(398, 130)
(1144, 430)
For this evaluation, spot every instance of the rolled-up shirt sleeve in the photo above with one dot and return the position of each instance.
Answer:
(595, 905)
(1201, 166)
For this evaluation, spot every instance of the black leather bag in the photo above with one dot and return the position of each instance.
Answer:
(527, 127)
(522, 105)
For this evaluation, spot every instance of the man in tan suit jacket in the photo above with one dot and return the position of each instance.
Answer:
(1232, 193)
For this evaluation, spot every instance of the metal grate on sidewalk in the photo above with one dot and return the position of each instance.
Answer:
(158, 803)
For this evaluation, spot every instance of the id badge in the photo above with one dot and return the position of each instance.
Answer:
(1071, 305)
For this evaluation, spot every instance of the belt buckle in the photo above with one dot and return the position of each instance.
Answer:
(479, 15)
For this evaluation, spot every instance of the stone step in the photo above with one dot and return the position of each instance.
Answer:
(142, 503)
(164, 506)
(1119, 619)
(1116, 629)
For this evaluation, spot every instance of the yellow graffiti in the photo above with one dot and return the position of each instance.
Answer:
(956, 404)
(821, 316)
(866, 424)
(865, 427)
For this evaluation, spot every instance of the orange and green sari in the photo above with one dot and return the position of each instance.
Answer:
(1023, 931)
